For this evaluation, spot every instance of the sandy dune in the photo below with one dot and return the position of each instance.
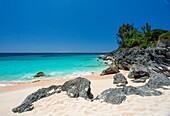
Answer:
(62, 105)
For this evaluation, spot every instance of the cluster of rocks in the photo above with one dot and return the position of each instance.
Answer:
(150, 63)
(79, 87)
(119, 94)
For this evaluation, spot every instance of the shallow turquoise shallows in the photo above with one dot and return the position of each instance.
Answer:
(23, 67)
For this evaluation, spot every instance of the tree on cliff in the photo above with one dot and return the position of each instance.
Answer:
(129, 36)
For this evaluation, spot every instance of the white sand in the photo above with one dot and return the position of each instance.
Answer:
(62, 105)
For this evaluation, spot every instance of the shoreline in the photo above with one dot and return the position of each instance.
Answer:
(15, 85)
(61, 104)
(43, 78)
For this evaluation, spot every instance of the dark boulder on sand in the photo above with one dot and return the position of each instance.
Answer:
(27, 105)
(112, 95)
(157, 80)
(138, 71)
(119, 79)
(39, 74)
(79, 87)
(110, 70)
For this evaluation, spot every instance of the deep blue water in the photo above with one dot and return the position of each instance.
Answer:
(23, 66)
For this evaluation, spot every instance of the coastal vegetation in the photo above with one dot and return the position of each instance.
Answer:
(165, 35)
(129, 36)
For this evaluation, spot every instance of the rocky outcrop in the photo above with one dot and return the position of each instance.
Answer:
(119, 79)
(27, 105)
(126, 58)
(149, 63)
(143, 56)
(79, 87)
(39, 74)
(155, 59)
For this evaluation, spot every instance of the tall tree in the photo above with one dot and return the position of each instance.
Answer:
(146, 29)
(124, 33)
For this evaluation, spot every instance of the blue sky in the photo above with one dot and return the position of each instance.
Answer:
(74, 25)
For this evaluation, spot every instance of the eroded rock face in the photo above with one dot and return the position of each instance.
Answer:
(126, 58)
(162, 52)
(119, 79)
(39, 74)
(163, 43)
(79, 87)
(138, 71)
(27, 105)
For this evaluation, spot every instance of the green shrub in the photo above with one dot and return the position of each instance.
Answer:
(143, 45)
(165, 35)
(121, 49)
(154, 44)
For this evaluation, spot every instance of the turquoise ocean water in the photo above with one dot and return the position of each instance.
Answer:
(22, 67)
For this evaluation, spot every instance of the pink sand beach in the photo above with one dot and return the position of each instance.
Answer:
(62, 105)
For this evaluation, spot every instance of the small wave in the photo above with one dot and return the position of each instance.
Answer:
(51, 75)
(54, 74)
(78, 74)
(28, 76)
(4, 85)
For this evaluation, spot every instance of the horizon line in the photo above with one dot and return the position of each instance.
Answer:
(53, 52)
